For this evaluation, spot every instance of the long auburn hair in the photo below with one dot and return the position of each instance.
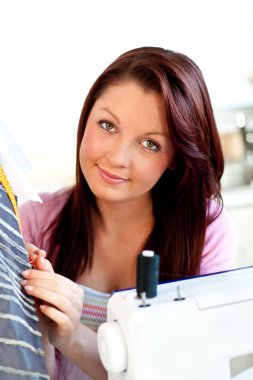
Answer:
(181, 196)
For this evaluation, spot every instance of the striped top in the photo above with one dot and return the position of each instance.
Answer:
(94, 307)
(21, 354)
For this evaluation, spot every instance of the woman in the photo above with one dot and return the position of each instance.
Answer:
(149, 164)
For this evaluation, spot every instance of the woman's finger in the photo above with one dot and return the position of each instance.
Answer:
(42, 264)
(71, 306)
(32, 249)
(56, 287)
(50, 277)
(34, 253)
(56, 316)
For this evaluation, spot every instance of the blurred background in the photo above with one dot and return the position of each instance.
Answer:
(51, 52)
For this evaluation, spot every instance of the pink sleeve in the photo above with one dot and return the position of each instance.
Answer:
(27, 215)
(219, 252)
(57, 360)
(35, 217)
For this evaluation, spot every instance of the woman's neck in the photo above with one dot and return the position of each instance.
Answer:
(117, 215)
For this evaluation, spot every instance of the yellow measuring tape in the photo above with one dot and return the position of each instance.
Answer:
(4, 181)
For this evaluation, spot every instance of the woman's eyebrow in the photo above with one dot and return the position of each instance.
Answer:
(111, 113)
(157, 133)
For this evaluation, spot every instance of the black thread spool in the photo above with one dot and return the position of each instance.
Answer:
(147, 274)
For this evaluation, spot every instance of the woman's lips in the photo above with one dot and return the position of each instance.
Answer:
(111, 178)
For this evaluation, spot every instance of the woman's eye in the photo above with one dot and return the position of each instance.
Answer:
(151, 145)
(109, 127)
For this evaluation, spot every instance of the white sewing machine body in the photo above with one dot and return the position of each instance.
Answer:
(190, 339)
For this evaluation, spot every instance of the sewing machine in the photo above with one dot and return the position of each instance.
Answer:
(190, 331)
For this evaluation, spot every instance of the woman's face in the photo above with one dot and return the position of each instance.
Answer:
(126, 146)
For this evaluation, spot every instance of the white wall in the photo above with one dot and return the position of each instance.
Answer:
(51, 51)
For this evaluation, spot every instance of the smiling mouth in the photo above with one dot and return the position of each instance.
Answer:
(111, 178)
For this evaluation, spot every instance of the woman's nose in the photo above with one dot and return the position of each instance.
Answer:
(119, 153)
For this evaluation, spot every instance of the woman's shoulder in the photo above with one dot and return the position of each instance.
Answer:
(37, 216)
(219, 251)
(55, 199)
(50, 202)
(220, 217)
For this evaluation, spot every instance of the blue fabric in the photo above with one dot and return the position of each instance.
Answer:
(21, 353)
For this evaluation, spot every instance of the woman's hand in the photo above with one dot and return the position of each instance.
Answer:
(61, 301)
(37, 260)
(60, 309)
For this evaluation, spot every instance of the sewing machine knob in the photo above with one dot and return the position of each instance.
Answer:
(112, 347)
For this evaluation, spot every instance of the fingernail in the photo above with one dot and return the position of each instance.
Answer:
(23, 282)
(26, 272)
(29, 288)
(42, 252)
